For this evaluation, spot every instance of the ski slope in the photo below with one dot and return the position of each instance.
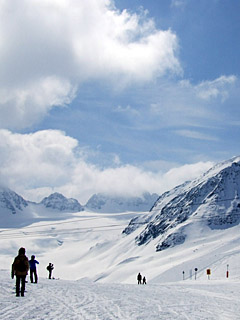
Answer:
(96, 267)
(84, 299)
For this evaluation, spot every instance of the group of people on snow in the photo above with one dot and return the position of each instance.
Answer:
(20, 267)
(141, 279)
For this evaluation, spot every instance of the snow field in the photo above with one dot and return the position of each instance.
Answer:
(86, 300)
(97, 267)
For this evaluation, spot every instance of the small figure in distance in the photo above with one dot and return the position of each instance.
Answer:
(144, 280)
(50, 268)
(139, 278)
(33, 269)
(20, 269)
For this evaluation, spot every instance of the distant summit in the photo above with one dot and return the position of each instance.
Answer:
(11, 202)
(16, 211)
(57, 201)
(103, 203)
(210, 201)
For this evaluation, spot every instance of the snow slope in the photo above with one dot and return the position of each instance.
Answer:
(85, 300)
(97, 266)
(93, 246)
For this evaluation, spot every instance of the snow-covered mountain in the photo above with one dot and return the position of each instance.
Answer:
(15, 211)
(57, 201)
(211, 200)
(11, 202)
(57, 206)
(103, 203)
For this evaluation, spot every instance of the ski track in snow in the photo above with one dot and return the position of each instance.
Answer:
(62, 299)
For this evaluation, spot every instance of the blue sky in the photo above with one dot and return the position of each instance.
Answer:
(146, 92)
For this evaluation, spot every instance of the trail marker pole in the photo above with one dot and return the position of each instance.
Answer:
(227, 274)
(196, 269)
(208, 273)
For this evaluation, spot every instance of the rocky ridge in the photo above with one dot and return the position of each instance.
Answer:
(212, 200)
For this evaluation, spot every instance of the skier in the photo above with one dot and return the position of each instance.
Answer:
(20, 269)
(139, 278)
(33, 269)
(50, 268)
(144, 280)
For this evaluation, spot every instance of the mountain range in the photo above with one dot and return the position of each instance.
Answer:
(212, 198)
(104, 203)
(16, 211)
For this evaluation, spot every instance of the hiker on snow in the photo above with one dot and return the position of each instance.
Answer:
(139, 278)
(20, 269)
(50, 268)
(144, 280)
(33, 269)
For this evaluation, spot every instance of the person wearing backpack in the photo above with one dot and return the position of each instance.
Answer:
(33, 269)
(20, 269)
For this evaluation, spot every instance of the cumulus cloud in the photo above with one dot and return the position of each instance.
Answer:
(49, 47)
(40, 163)
(37, 159)
(20, 107)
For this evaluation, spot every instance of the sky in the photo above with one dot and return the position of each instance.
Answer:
(118, 97)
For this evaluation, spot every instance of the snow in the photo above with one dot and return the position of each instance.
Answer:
(97, 266)
(62, 299)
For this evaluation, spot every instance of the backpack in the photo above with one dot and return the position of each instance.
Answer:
(48, 268)
(21, 266)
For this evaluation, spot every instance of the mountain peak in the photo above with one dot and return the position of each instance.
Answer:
(211, 200)
(107, 203)
(11, 201)
(57, 201)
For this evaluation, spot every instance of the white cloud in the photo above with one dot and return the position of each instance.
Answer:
(37, 159)
(187, 172)
(37, 164)
(195, 135)
(20, 107)
(128, 110)
(217, 88)
(209, 90)
(49, 47)
(184, 104)
(178, 3)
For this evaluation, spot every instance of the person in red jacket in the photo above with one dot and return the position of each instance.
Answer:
(20, 269)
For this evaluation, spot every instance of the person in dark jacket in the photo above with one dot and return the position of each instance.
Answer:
(139, 278)
(33, 269)
(144, 280)
(50, 268)
(20, 269)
